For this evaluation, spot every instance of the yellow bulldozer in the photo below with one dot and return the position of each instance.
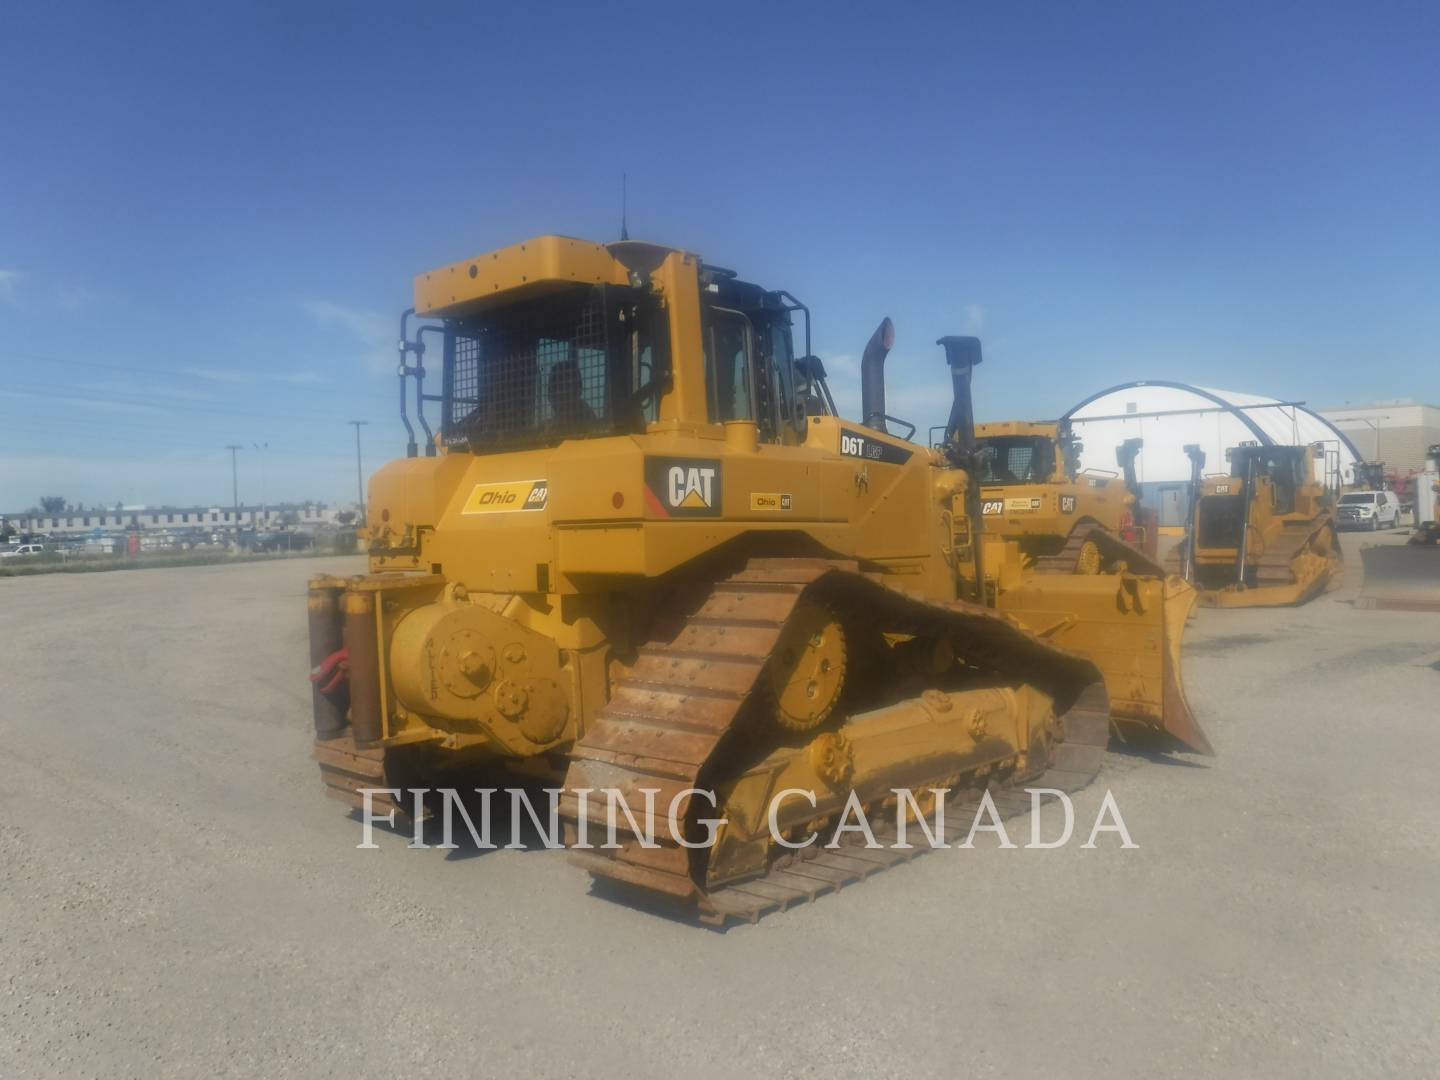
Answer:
(1065, 520)
(642, 553)
(1262, 534)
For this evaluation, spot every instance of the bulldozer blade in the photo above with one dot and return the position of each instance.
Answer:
(1401, 577)
(1131, 628)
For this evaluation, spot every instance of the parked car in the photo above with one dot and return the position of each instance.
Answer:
(282, 541)
(1371, 510)
(22, 550)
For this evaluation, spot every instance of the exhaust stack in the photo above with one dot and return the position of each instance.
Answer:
(1197, 470)
(872, 375)
(962, 354)
(1125, 455)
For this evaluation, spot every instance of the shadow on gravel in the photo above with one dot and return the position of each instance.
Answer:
(528, 837)
(1222, 645)
(1154, 754)
(507, 831)
(617, 892)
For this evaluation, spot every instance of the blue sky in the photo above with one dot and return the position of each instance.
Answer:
(210, 215)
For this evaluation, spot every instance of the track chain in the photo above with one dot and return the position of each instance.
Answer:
(1112, 549)
(670, 713)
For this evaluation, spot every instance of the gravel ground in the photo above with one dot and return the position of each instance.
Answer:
(178, 899)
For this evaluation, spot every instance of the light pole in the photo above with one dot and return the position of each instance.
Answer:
(1373, 427)
(234, 483)
(260, 448)
(359, 472)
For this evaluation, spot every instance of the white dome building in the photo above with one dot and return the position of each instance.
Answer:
(1171, 415)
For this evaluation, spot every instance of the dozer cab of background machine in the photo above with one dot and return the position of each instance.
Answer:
(1264, 533)
(1064, 520)
(1369, 476)
(644, 553)
(1407, 577)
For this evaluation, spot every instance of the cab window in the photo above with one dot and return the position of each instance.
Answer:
(1016, 459)
(728, 373)
(782, 367)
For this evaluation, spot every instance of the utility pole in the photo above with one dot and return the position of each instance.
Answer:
(359, 472)
(260, 449)
(234, 481)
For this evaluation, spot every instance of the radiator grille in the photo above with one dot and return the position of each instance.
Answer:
(1221, 521)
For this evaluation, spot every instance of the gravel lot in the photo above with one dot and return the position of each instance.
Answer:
(177, 898)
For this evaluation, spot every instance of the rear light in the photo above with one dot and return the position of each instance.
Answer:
(1128, 532)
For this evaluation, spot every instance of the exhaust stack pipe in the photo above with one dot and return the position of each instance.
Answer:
(962, 354)
(1143, 530)
(1125, 455)
(1197, 470)
(872, 375)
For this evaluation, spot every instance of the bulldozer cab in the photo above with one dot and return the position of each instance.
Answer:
(543, 357)
(1281, 468)
(1369, 476)
(1021, 452)
(751, 368)
(1286, 479)
(1020, 457)
(1035, 492)
(582, 360)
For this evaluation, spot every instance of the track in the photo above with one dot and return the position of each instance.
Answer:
(1283, 565)
(1276, 565)
(814, 871)
(345, 769)
(1111, 548)
(668, 720)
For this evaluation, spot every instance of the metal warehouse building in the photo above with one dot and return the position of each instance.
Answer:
(1395, 432)
(1171, 415)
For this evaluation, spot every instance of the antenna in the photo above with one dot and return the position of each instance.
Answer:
(624, 193)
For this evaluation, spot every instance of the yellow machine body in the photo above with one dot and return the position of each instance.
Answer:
(1281, 501)
(1033, 491)
(1064, 519)
(714, 543)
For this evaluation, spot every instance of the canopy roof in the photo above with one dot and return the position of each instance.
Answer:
(1170, 415)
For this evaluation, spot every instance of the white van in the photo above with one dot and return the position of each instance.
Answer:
(1368, 510)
